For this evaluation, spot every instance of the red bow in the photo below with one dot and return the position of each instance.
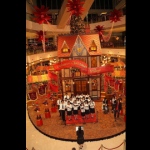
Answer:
(40, 14)
(75, 7)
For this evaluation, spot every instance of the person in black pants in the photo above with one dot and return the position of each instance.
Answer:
(117, 109)
(80, 137)
(62, 108)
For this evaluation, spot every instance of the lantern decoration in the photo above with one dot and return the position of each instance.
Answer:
(75, 7)
(40, 15)
(115, 15)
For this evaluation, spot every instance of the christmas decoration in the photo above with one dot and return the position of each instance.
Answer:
(99, 29)
(40, 14)
(41, 36)
(77, 25)
(75, 7)
(115, 15)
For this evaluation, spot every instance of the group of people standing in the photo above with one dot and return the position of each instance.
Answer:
(116, 106)
(76, 105)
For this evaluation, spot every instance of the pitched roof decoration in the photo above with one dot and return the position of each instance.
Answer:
(65, 47)
(93, 46)
(79, 48)
(85, 41)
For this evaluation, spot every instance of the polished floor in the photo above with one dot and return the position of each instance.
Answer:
(39, 141)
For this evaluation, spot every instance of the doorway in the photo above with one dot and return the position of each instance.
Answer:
(81, 87)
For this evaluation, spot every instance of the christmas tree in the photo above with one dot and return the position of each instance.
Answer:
(77, 25)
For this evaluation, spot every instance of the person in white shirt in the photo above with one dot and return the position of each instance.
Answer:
(69, 110)
(66, 96)
(92, 108)
(62, 109)
(58, 104)
(87, 109)
(78, 102)
(75, 109)
(82, 110)
(73, 98)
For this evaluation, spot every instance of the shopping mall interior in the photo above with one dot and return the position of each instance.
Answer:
(75, 47)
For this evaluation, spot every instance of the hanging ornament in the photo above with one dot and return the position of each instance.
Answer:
(40, 14)
(99, 29)
(75, 7)
(115, 15)
(106, 38)
(41, 36)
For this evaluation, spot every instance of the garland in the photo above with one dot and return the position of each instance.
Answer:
(101, 148)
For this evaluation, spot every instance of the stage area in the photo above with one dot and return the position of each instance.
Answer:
(101, 126)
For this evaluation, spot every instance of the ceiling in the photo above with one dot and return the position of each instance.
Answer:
(62, 18)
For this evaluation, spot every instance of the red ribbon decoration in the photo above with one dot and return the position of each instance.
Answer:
(53, 76)
(53, 87)
(75, 7)
(41, 36)
(40, 14)
(99, 29)
(115, 15)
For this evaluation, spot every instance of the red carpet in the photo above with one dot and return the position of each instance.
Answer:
(80, 120)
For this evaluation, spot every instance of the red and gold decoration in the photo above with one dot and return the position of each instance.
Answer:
(32, 95)
(53, 87)
(41, 38)
(75, 7)
(42, 90)
(47, 113)
(39, 120)
(83, 67)
(114, 17)
(52, 76)
(111, 82)
(99, 29)
(41, 16)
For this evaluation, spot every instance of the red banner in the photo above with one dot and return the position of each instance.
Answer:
(102, 69)
(80, 65)
(71, 63)
(53, 76)
(53, 87)
(83, 67)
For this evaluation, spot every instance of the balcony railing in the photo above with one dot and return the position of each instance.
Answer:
(30, 50)
(34, 49)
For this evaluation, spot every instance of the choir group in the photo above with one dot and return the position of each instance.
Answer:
(76, 105)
